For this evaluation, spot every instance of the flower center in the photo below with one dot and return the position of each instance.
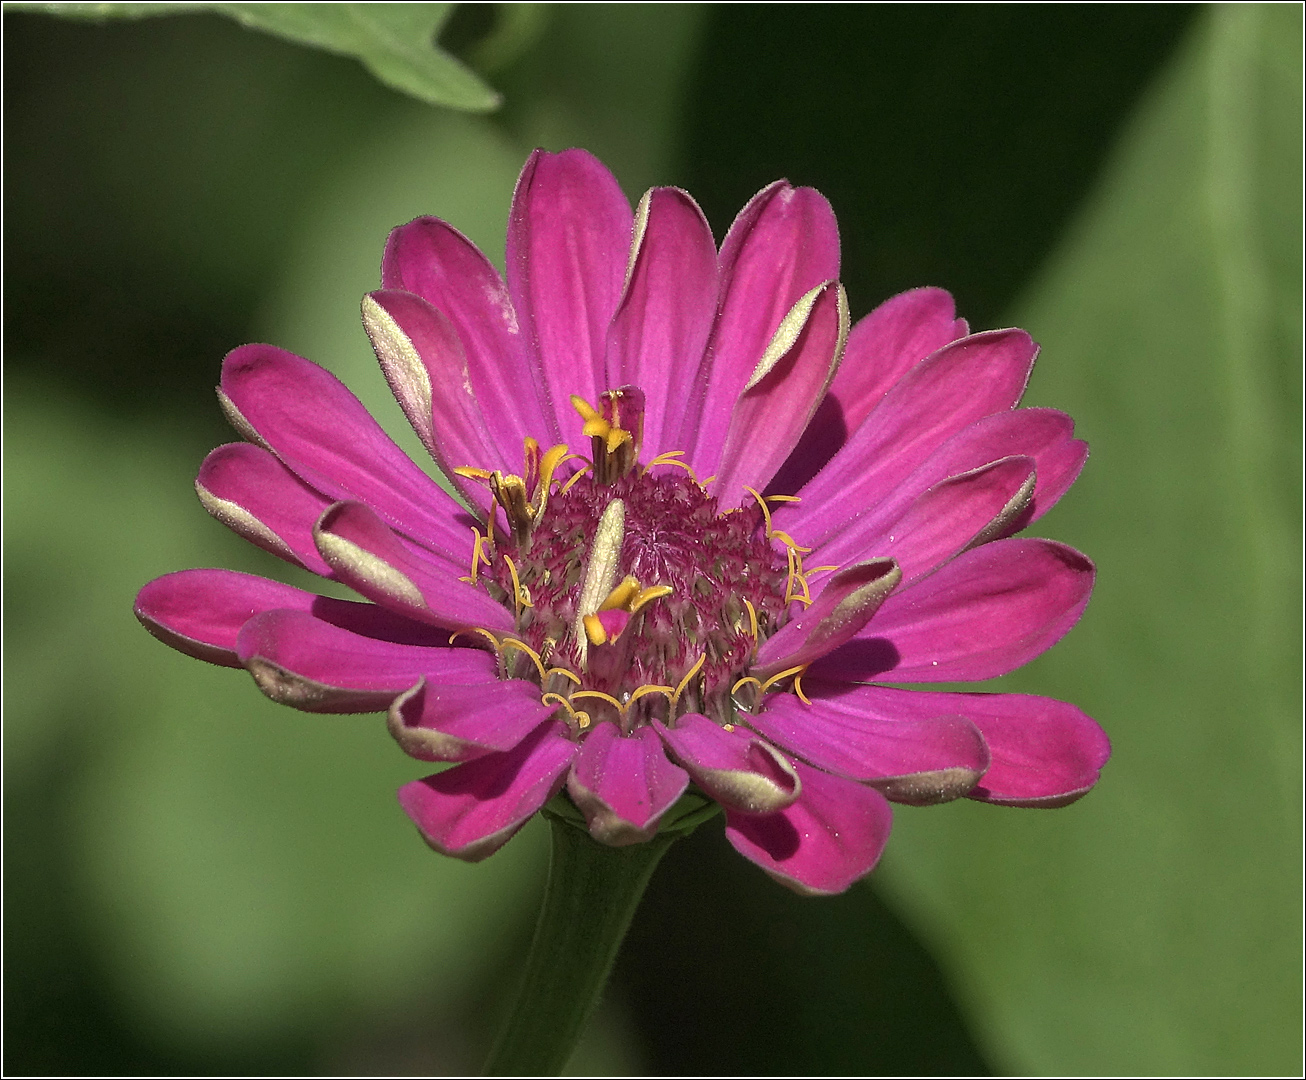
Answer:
(634, 596)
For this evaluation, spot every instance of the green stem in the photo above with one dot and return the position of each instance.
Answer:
(591, 896)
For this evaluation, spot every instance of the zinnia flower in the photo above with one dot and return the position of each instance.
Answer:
(776, 515)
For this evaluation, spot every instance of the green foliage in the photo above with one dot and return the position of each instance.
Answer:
(1154, 927)
(396, 42)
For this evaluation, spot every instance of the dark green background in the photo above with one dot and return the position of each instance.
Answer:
(200, 882)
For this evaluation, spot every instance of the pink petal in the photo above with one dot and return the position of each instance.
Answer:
(733, 766)
(782, 245)
(972, 378)
(775, 407)
(369, 557)
(930, 758)
(624, 783)
(473, 809)
(434, 260)
(309, 664)
(956, 513)
(445, 721)
(1045, 435)
(846, 603)
(982, 615)
(200, 612)
(820, 845)
(251, 492)
(426, 367)
(568, 240)
(308, 418)
(658, 334)
(1046, 752)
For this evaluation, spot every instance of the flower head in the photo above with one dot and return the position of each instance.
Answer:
(701, 521)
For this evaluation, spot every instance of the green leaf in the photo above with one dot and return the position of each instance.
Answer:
(396, 42)
(1154, 928)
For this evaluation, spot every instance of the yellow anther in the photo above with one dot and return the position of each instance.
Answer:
(684, 683)
(727, 727)
(752, 619)
(622, 594)
(519, 591)
(787, 540)
(766, 510)
(471, 473)
(587, 411)
(621, 709)
(514, 643)
(564, 672)
(650, 688)
(575, 476)
(494, 641)
(647, 596)
(595, 630)
(796, 671)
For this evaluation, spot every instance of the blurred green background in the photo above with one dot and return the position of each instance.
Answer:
(200, 882)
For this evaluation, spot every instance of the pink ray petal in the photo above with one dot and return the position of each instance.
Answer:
(929, 758)
(309, 664)
(847, 602)
(782, 245)
(568, 240)
(825, 841)
(310, 420)
(1046, 753)
(473, 809)
(445, 721)
(982, 615)
(251, 492)
(777, 403)
(971, 378)
(734, 766)
(658, 334)
(369, 557)
(431, 258)
(959, 512)
(623, 784)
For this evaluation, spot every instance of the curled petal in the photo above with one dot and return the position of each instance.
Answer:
(255, 495)
(431, 258)
(623, 784)
(735, 767)
(446, 721)
(370, 558)
(308, 663)
(845, 605)
(473, 809)
(783, 244)
(781, 395)
(310, 420)
(982, 615)
(971, 378)
(925, 759)
(882, 348)
(821, 844)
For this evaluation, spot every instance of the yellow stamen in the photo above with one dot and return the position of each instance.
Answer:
(471, 473)
(684, 683)
(796, 575)
(595, 630)
(787, 540)
(621, 709)
(752, 619)
(820, 569)
(582, 718)
(519, 591)
(746, 679)
(798, 688)
(576, 475)
(514, 643)
(622, 594)
(650, 688)
(784, 498)
(766, 510)
(494, 641)
(647, 596)
(798, 671)
(565, 672)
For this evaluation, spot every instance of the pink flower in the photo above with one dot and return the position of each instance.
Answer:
(777, 514)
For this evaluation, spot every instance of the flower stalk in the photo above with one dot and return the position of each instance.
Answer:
(591, 896)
